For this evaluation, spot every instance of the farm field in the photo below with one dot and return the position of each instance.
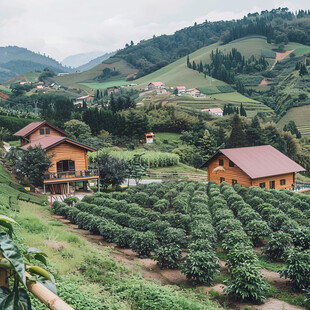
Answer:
(180, 224)
(104, 85)
(219, 100)
(301, 116)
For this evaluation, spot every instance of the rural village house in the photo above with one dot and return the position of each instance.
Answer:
(214, 111)
(180, 90)
(156, 85)
(262, 166)
(70, 161)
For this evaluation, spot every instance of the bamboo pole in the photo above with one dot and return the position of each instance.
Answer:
(47, 297)
(4, 278)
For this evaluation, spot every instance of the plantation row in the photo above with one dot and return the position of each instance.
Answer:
(246, 280)
(150, 159)
(161, 219)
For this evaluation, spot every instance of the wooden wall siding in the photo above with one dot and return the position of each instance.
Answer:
(289, 177)
(36, 134)
(242, 178)
(230, 173)
(67, 151)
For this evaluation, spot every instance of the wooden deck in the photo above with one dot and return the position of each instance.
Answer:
(70, 176)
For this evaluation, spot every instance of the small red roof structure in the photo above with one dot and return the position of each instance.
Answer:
(213, 110)
(52, 141)
(180, 87)
(157, 84)
(85, 97)
(259, 161)
(27, 130)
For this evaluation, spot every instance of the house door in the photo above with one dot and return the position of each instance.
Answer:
(65, 165)
(272, 184)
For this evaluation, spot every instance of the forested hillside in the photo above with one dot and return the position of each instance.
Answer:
(16, 60)
(278, 25)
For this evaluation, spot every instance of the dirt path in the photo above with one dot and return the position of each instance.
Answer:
(264, 82)
(281, 56)
(151, 271)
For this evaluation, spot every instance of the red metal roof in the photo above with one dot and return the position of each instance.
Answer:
(260, 161)
(27, 130)
(49, 142)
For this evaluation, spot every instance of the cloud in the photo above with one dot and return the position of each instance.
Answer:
(61, 28)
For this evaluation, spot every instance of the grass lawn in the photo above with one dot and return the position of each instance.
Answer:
(32, 76)
(180, 168)
(169, 136)
(14, 143)
(233, 97)
(105, 85)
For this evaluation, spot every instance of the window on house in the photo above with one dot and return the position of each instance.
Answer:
(262, 185)
(221, 162)
(272, 184)
(222, 180)
(42, 131)
(47, 131)
(231, 164)
(282, 182)
(233, 182)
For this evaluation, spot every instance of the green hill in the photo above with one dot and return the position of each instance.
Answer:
(16, 60)
(91, 76)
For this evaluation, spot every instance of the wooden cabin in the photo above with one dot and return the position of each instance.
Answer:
(69, 157)
(262, 166)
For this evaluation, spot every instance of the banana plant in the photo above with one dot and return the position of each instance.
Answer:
(19, 269)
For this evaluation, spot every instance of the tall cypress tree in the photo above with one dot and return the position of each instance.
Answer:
(237, 136)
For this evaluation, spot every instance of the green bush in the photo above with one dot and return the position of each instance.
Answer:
(144, 243)
(161, 206)
(173, 235)
(204, 231)
(257, 230)
(71, 200)
(246, 283)
(200, 266)
(277, 245)
(226, 225)
(239, 254)
(247, 214)
(298, 268)
(109, 230)
(200, 245)
(168, 256)
(301, 237)
(138, 223)
(124, 237)
(234, 237)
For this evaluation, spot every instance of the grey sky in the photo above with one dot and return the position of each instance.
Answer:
(61, 28)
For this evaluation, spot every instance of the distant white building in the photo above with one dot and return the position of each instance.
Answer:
(156, 85)
(180, 89)
(62, 74)
(193, 92)
(214, 111)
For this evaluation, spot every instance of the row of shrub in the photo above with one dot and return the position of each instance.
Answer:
(201, 263)
(246, 282)
(150, 159)
(290, 239)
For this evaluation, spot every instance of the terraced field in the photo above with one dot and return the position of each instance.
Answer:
(219, 100)
(301, 116)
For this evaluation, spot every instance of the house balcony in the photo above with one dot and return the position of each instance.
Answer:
(70, 176)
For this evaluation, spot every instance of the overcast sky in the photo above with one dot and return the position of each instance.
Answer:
(60, 28)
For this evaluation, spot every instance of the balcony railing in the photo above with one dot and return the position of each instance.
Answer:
(79, 174)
